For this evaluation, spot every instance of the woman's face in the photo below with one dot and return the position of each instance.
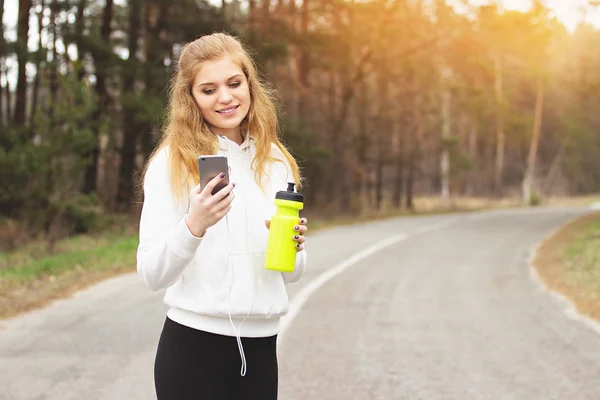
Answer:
(221, 92)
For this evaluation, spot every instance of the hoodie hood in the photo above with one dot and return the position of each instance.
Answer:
(227, 145)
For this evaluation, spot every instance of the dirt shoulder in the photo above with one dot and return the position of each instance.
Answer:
(568, 262)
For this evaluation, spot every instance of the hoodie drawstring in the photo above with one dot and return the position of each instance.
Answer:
(238, 331)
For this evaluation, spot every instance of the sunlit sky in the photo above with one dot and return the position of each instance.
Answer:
(569, 12)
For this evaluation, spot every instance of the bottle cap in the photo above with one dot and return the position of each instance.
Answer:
(289, 194)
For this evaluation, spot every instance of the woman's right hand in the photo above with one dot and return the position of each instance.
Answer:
(207, 209)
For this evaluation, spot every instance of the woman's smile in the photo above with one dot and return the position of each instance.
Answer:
(227, 111)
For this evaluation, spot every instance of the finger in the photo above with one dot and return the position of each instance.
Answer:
(223, 193)
(221, 213)
(303, 221)
(299, 247)
(214, 182)
(226, 202)
(299, 238)
(228, 199)
(268, 224)
(301, 229)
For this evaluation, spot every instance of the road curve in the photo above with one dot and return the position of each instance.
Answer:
(451, 313)
(448, 311)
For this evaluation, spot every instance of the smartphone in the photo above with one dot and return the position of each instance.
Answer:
(211, 166)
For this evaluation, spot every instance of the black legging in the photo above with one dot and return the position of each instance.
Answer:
(197, 365)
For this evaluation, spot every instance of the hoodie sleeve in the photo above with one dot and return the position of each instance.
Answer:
(166, 245)
(291, 277)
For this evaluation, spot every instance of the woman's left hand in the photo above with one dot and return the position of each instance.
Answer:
(300, 229)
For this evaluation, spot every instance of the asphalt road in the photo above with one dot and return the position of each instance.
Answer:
(436, 307)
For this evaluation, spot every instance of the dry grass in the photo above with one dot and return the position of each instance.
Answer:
(31, 277)
(480, 203)
(423, 205)
(432, 204)
(20, 297)
(581, 201)
(568, 262)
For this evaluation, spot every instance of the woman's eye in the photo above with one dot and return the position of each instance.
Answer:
(208, 91)
(234, 84)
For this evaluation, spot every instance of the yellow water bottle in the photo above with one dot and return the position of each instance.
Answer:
(281, 247)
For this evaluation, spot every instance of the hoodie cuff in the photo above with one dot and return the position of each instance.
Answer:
(182, 241)
(291, 277)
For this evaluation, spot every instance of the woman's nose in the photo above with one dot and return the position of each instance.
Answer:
(225, 95)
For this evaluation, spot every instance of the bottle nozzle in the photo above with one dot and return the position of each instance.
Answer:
(290, 194)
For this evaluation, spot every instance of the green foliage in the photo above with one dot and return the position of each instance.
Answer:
(449, 144)
(460, 163)
(14, 161)
(312, 158)
(580, 123)
(535, 199)
(43, 176)
(189, 19)
(365, 77)
(84, 213)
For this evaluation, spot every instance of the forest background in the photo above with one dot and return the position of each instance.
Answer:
(383, 102)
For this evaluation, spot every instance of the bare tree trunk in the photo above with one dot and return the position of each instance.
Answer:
(2, 57)
(265, 11)
(416, 148)
(9, 98)
(292, 64)
(155, 78)
(500, 137)
(340, 109)
(5, 98)
(251, 17)
(410, 180)
(445, 157)
(2, 108)
(329, 189)
(79, 36)
(38, 69)
(223, 14)
(554, 169)
(279, 11)
(379, 164)
(362, 148)
(302, 64)
(130, 128)
(528, 182)
(101, 65)
(399, 178)
(22, 57)
(54, 63)
(470, 191)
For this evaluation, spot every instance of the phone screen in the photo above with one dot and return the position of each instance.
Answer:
(211, 166)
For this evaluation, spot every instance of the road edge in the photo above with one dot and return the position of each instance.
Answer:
(568, 306)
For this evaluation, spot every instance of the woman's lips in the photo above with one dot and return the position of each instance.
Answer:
(228, 110)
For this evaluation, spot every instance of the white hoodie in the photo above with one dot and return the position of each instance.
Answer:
(217, 282)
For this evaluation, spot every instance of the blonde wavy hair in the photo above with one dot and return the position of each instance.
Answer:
(187, 135)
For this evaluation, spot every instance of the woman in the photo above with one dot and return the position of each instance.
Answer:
(208, 250)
